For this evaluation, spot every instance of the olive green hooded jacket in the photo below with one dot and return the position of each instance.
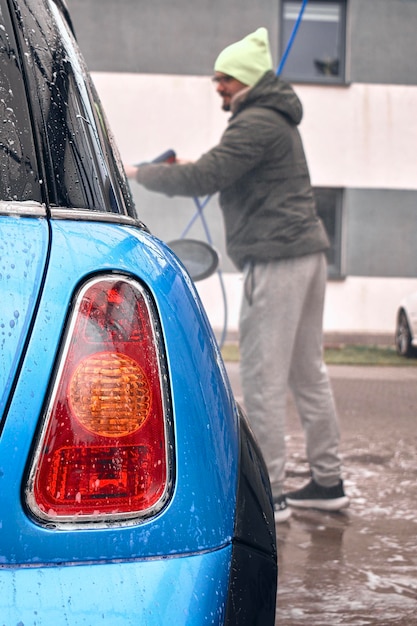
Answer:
(260, 170)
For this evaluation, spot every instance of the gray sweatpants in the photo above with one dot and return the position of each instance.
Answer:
(281, 338)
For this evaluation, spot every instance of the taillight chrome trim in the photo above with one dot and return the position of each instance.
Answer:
(104, 520)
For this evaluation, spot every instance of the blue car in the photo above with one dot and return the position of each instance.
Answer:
(131, 488)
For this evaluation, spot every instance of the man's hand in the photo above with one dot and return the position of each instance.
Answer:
(182, 161)
(130, 171)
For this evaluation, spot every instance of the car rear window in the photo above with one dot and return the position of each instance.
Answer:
(19, 179)
(78, 163)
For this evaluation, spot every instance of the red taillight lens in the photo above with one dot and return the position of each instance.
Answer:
(103, 448)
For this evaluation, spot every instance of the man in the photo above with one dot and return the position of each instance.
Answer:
(275, 238)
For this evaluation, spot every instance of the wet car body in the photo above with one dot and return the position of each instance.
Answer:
(132, 491)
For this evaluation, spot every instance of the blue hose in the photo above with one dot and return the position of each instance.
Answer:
(292, 38)
(200, 213)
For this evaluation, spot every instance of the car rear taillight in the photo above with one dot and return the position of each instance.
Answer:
(103, 449)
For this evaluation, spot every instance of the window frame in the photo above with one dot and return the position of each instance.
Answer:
(340, 79)
(334, 254)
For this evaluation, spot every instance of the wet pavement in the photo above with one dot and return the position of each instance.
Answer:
(356, 568)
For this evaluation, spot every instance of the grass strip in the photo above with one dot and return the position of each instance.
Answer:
(345, 355)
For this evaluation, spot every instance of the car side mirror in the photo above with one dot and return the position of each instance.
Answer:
(199, 258)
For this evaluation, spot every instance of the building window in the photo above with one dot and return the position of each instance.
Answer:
(329, 208)
(318, 50)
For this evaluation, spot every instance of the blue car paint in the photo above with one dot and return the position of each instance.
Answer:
(200, 516)
(178, 591)
(23, 250)
(210, 556)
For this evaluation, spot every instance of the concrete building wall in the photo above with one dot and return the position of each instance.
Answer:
(160, 37)
(179, 37)
(382, 43)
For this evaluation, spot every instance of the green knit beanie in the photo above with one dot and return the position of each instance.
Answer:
(246, 60)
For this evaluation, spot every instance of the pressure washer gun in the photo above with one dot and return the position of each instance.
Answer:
(169, 156)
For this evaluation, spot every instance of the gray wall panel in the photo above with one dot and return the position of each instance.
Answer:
(380, 235)
(179, 37)
(176, 37)
(382, 41)
(379, 228)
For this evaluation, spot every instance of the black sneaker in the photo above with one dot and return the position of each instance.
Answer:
(281, 511)
(314, 496)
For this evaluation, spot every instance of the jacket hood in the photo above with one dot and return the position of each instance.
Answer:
(272, 93)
